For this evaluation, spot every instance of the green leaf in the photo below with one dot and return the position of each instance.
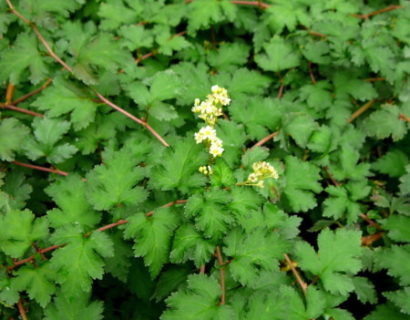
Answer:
(392, 163)
(209, 212)
(398, 228)
(69, 195)
(278, 55)
(18, 190)
(253, 253)
(12, 136)
(169, 281)
(341, 202)
(222, 174)
(386, 311)
(387, 258)
(64, 97)
(115, 181)
(301, 182)
(21, 57)
(300, 129)
(385, 123)
(38, 282)
(48, 132)
(80, 260)
(229, 55)
(400, 298)
(260, 116)
(152, 237)
(179, 166)
(254, 155)
(348, 166)
(405, 182)
(198, 301)
(115, 13)
(203, 13)
(72, 308)
(337, 259)
(136, 37)
(20, 230)
(365, 290)
(189, 244)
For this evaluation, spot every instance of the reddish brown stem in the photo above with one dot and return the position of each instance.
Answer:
(280, 91)
(39, 36)
(316, 34)
(132, 117)
(374, 13)
(21, 110)
(104, 228)
(370, 221)
(167, 205)
(264, 140)
(374, 79)
(68, 68)
(9, 93)
(311, 74)
(404, 117)
(112, 225)
(145, 56)
(302, 284)
(21, 309)
(368, 240)
(221, 274)
(32, 166)
(32, 93)
(361, 110)
(258, 4)
(202, 269)
(332, 179)
(38, 250)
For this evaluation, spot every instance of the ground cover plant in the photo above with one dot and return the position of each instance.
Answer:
(205, 159)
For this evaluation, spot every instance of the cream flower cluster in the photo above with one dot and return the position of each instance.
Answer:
(206, 170)
(261, 171)
(209, 111)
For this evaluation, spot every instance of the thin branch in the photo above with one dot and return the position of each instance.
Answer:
(167, 205)
(9, 93)
(311, 74)
(368, 240)
(264, 140)
(280, 91)
(68, 68)
(370, 221)
(132, 117)
(21, 309)
(32, 257)
(362, 109)
(32, 166)
(109, 226)
(404, 117)
(221, 274)
(146, 56)
(302, 284)
(202, 269)
(316, 34)
(32, 93)
(112, 225)
(258, 4)
(332, 179)
(21, 110)
(39, 36)
(374, 79)
(374, 13)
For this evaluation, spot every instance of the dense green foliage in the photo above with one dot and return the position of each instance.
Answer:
(128, 228)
